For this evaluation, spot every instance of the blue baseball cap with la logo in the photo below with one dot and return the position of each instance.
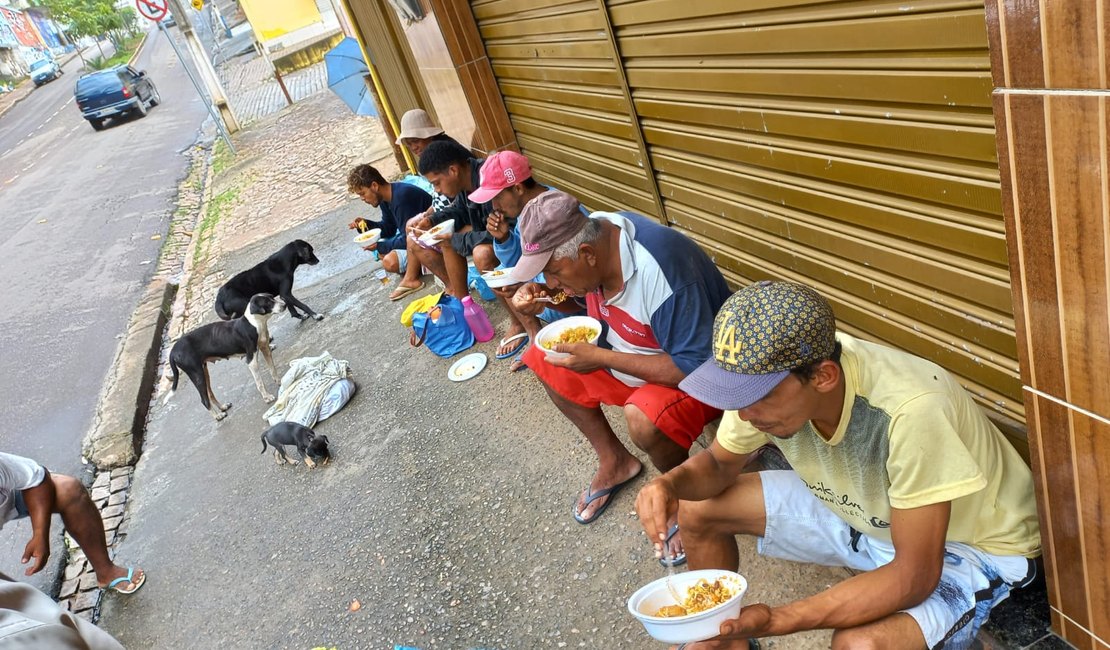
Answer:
(761, 333)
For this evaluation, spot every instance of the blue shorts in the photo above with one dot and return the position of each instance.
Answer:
(402, 259)
(802, 529)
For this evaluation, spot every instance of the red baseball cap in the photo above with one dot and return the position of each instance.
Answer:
(502, 169)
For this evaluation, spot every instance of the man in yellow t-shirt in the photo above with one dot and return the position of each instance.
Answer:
(896, 473)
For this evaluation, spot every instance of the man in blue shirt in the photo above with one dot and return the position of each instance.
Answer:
(399, 202)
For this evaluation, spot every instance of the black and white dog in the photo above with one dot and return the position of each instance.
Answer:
(246, 336)
(313, 448)
(273, 276)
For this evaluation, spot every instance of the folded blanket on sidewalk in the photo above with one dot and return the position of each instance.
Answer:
(309, 384)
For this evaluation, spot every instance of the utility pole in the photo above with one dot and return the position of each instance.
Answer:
(204, 66)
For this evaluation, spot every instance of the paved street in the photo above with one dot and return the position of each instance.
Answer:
(78, 210)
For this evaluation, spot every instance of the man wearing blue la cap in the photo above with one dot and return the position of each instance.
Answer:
(897, 473)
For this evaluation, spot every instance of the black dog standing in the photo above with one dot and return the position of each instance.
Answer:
(274, 276)
(247, 336)
(313, 448)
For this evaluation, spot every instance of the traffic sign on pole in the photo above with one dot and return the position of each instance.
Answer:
(151, 9)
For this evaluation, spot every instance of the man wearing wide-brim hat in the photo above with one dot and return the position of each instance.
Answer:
(897, 474)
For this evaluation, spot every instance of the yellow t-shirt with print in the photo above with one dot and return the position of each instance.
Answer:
(909, 436)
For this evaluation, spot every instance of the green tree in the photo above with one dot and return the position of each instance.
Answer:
(80, 18)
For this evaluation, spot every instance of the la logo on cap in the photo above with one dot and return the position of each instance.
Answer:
(726, 346)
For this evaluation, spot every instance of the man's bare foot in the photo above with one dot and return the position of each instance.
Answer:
(595, 499)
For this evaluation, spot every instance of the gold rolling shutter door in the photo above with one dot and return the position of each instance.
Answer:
(849, 145)
(555, 67)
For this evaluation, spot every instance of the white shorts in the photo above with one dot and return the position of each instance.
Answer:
(802, 529)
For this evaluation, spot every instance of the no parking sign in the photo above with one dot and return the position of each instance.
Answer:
(152, 9)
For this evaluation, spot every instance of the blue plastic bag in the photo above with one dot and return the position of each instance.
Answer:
(443, 328)
(474, 280)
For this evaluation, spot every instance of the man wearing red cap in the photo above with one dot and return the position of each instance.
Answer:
(507, 183)
(656, 292)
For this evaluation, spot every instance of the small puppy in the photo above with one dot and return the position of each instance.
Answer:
(241, 337)
(273, 276)
(313, 448)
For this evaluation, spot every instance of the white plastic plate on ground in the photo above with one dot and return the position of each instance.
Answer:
(498, 278)
(467, 367)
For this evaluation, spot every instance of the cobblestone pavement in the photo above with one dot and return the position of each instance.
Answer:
(254, 92)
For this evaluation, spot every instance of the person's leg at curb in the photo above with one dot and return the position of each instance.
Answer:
(84, 524)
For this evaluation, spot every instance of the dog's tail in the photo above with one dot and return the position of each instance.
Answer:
(173, 385)
(263, 442)
(221, 311)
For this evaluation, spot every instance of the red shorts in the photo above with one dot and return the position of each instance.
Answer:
(675, 413)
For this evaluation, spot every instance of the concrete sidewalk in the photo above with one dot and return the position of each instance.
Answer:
(447, 511)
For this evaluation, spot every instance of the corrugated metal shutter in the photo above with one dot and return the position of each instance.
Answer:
(849, 145)
(557, 72)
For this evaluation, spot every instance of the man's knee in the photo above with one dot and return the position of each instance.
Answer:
(390, 263)
(68, 491)
(739, 510)
(641, 429)
(880, 634)
(484, 259)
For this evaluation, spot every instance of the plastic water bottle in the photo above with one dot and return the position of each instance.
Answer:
(477, 319)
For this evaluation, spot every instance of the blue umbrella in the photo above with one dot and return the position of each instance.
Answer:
(347, 73)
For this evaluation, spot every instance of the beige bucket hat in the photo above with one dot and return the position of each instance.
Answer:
(417, 124)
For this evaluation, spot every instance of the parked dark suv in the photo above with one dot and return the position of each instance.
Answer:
(113, 93)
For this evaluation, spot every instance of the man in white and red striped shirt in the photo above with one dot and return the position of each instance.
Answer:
(656, 293)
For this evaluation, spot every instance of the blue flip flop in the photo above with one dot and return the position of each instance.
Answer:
(523, 336)
(680, 558)
(114, 585)
(594, 496)
(519, 361)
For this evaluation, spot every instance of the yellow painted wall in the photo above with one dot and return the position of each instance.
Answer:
(273, 18)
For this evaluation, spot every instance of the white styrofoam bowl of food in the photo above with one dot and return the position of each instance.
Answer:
(431, 235)
(368, 237)
(550, 334)
(498, 278)
(648, 600)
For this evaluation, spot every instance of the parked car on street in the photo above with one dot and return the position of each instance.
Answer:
(45, 70)
(168, 20)
(113, 93)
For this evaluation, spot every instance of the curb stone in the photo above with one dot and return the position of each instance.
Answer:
(138, 49)
(115, 438)
(122, 409)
